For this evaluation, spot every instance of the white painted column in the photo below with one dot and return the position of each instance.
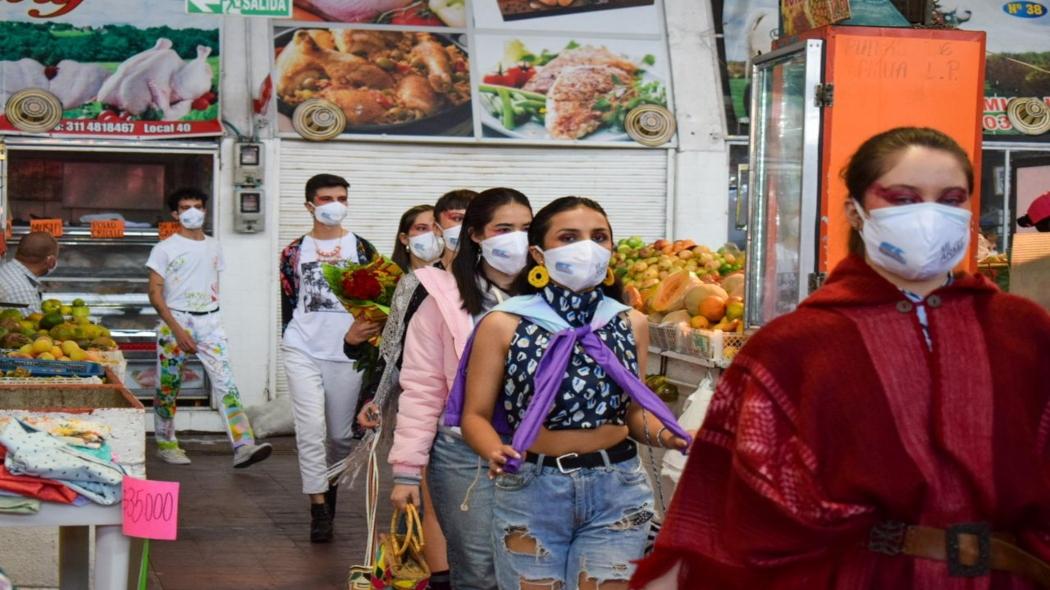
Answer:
(701, 183)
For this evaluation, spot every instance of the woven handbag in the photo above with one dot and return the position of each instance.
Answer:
(399, 563)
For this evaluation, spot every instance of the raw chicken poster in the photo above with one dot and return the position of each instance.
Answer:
(121, 68)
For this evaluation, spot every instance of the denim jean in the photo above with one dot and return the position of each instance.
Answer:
(462, 494)
(560, 528)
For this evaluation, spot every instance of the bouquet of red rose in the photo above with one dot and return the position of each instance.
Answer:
(365, 290)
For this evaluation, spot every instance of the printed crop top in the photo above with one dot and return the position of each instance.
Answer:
(587, 398)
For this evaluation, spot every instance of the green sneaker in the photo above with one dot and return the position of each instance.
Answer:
(174, 456)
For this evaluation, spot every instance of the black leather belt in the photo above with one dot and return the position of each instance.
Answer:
(570, 462)
(216, 310)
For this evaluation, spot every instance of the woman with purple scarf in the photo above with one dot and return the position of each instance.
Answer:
(559, 369)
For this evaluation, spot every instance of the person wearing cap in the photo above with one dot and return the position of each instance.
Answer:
(35, 257)
(1038, 215)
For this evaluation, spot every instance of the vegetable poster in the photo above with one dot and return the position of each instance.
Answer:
(539, 79)
(567, 88)
(119, 68)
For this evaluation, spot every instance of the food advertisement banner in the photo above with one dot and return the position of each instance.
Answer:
(1018, 58)
(799, 16)
(385, 82)
(558, 88)
(413, 13)
(120, 68)
(522, 72)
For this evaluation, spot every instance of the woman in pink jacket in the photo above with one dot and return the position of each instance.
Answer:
(494, 252)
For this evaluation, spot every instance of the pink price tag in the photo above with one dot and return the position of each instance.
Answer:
(151, 509)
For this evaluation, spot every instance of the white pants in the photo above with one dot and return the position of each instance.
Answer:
(324, 403)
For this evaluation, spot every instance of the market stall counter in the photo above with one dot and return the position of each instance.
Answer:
(41, 420)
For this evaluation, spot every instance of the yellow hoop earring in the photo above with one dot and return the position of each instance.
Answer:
(610, 278)
(538, 276)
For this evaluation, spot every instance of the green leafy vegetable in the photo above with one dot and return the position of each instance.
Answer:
(649, 59)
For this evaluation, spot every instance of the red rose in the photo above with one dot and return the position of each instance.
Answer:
(361, 286)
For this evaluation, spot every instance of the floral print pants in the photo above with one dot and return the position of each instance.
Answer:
(213, 352)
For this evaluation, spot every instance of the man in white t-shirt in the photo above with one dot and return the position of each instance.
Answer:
(184, 289)
(322, 381)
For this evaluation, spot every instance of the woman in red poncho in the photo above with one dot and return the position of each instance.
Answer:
(894, 431)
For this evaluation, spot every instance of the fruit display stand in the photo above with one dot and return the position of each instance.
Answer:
(693, 297)
(108, 403)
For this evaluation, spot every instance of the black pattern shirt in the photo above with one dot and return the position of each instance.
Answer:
(587, 398)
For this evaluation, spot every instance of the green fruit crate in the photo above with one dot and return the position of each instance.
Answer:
(714, 345)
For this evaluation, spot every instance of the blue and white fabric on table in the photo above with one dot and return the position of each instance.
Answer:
(39, 454)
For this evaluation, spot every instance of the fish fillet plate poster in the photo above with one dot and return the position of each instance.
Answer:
(121, 68)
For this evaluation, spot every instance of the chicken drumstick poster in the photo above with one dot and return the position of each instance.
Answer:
(120, 68)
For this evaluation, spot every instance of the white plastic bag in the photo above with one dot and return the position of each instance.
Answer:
(693, 412)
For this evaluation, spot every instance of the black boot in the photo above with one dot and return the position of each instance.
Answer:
(320, 524)
(329, 500)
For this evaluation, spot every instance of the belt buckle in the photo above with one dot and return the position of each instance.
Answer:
(561, 468)
(983, 532)
(887, 537)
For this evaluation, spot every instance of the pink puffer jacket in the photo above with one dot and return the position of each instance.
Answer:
(434, 341)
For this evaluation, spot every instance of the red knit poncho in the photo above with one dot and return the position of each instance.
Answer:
(836, 417)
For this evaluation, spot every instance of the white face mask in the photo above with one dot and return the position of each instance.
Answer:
(506, 252)
(426, 247)
(192, 218)
(578, 266)
(917, 242)
(452, 237)
(330, 213)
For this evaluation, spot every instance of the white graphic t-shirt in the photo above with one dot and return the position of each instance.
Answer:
(190, 269)
(320, 322)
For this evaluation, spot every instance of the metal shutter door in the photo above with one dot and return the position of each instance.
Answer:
(387, 179)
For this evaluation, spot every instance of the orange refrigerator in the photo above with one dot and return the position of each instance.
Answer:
(814, 100)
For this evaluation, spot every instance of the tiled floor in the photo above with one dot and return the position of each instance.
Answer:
(248, 529)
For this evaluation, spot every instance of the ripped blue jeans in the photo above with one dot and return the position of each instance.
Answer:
(559, 530)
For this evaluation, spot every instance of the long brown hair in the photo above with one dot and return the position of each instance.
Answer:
(466, 266)
(879, 153)
(408, 218)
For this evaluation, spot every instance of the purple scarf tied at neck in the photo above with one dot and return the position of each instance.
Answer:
(548, 378)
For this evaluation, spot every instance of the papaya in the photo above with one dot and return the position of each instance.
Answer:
(680, 245)
(676, 317)
(633, 297)
(670, 294)
(734, 284)
(697, 294)
(713, 308)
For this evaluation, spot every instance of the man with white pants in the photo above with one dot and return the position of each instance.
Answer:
(184, 289)
(322, 381)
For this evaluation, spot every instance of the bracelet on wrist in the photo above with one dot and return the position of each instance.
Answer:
(660, 437)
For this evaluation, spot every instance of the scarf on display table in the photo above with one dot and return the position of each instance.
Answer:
(551, 372)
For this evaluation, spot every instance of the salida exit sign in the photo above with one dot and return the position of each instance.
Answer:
(265, 8)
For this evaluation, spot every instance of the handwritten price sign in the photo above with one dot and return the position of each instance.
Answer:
(151, 509)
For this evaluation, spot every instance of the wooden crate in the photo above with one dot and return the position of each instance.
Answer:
(63, 397)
